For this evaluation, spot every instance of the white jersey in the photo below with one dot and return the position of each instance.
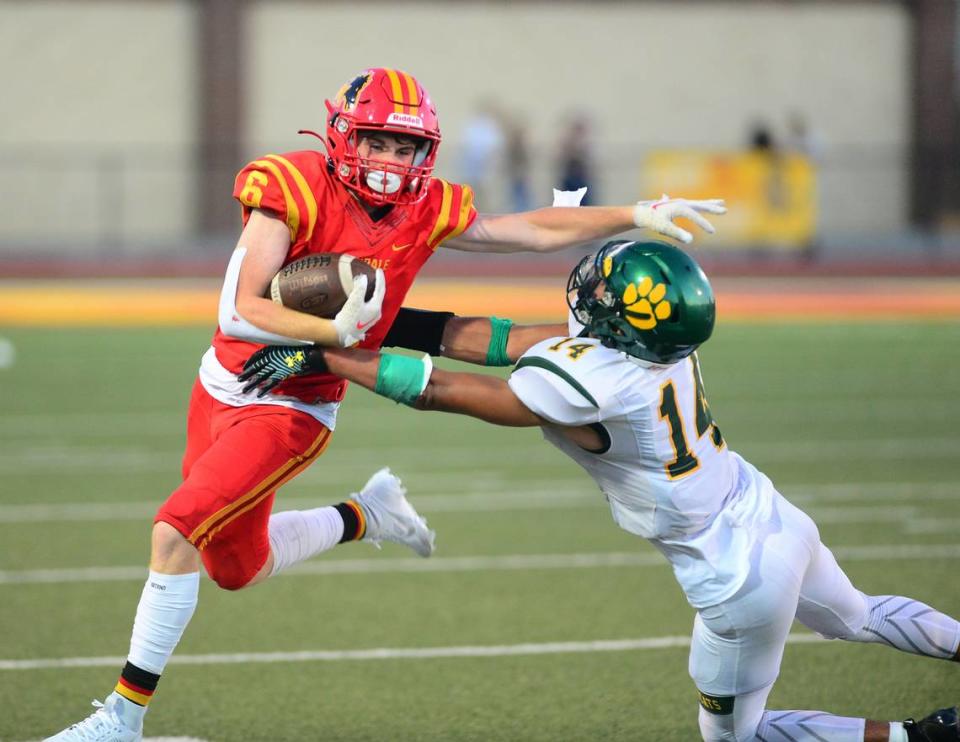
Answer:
(663, 466)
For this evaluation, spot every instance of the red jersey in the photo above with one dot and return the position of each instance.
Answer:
(323, 216)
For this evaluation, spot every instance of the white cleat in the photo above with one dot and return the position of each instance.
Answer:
(390, 516)
(103, 725)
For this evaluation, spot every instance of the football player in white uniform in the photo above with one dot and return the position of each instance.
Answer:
(623, 397)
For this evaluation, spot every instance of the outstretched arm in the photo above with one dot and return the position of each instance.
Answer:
(414, 382)
(554, 228)
(485, 397)
(486, 341)
(468, 339)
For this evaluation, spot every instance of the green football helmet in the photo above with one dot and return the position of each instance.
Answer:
(648, 299)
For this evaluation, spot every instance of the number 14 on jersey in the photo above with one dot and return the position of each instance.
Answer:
(684, 461)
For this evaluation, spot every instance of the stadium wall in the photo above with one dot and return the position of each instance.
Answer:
(100, 135)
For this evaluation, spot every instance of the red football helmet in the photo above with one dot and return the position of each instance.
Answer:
(385, 100)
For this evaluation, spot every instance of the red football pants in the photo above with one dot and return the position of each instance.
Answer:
(236, 458)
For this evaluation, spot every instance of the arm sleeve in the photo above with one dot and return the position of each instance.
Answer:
(418, 329)
(231, 322)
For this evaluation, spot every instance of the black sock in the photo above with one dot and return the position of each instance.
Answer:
(354, 524)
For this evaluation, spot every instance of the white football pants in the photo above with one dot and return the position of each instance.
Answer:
(738, 645)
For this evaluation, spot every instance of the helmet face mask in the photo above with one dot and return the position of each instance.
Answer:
(649, 300)
(390, 102)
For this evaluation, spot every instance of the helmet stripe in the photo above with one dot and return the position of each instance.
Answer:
(397, 91)
(412, 103)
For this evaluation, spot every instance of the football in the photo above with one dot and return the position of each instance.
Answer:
(319, 284)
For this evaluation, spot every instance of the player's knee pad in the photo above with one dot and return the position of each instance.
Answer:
(226, 574)
(227, 579)
(830, 622)
(829, 603)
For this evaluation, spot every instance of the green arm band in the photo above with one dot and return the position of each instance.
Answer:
(402, 378)
(497, 350)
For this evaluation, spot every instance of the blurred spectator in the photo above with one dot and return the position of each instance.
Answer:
(575, 158)
(800, 138)
(761, 138)
(775, 187)
(517, 162)
(482, 143)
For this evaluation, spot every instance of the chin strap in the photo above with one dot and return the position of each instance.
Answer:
(312, 134)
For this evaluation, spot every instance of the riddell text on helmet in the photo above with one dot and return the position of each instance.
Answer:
(405, 119)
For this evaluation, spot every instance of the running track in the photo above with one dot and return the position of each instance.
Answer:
(184, 302)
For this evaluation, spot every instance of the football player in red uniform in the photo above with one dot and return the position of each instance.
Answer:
(372, 194)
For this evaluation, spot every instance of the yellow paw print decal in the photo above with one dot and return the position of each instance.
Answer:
(645, 303)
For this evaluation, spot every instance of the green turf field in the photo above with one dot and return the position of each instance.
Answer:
(857, 424)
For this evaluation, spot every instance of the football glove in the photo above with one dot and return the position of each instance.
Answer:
(270, 365)
(659, 215)
(358, 315)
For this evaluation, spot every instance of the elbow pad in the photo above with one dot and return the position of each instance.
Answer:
(235, 326)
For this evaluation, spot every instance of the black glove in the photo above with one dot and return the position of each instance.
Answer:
(270, 365)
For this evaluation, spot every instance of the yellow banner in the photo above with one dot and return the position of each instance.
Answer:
(771, 198)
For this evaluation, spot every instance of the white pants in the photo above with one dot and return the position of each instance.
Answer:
(738, 644)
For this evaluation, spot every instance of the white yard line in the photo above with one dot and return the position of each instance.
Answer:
(472, 502)
(594, 560)
(67, 457)
(933, 525)
(488, 495)
(162, 739)
(867, 491)
(819, 408)
(419, 653)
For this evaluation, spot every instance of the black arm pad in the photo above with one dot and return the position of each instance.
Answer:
(418, 329)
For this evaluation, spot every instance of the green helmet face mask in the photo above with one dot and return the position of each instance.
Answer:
(649, 300)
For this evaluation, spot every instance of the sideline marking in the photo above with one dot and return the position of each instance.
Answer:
(163, 739)
(16, 458)
(482, 496)
(8, 354)
(385, 653)
(412, 565)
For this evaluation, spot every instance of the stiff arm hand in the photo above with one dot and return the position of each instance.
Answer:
(270, 365)
(659, 215)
